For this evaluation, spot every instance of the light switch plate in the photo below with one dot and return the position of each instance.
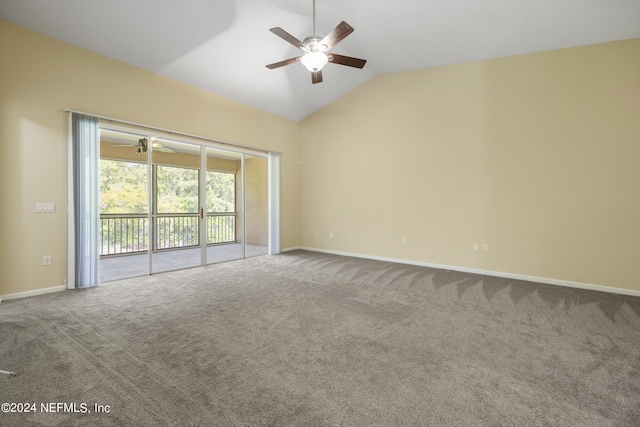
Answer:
(45, 207)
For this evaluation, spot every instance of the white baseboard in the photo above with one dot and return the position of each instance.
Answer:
(33, 293)
(545, 280)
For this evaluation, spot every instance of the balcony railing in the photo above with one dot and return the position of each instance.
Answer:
(129, 233)
(177, 231)
(121, 234)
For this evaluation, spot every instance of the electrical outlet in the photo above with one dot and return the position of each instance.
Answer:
(331, 235)
(46, 260)
(476, 247)
(485, 247)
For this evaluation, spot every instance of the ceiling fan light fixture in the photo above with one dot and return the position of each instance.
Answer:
(314, 61)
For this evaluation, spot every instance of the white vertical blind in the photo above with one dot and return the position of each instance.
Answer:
(275, 239)
(85, 133)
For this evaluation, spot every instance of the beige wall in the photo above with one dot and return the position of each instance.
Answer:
(39, 78)
(537, 155)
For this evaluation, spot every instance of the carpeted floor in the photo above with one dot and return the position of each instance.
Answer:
(308, 339)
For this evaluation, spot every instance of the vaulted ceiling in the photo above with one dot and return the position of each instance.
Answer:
(223, 46)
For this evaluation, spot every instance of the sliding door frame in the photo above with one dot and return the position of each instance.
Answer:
(204, 143)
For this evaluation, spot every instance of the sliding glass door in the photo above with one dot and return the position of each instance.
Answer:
(223, 204)
(124, 206)
(169, 204)
(175, 213)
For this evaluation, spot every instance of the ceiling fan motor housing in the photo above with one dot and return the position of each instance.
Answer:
(312, 44)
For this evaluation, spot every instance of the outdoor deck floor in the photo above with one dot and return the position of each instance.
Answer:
(126, 266)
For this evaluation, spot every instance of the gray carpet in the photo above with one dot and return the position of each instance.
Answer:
(307, 339)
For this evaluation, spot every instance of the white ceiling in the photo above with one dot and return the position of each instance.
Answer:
(223, 45)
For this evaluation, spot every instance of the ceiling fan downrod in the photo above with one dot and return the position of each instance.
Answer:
(314, 18)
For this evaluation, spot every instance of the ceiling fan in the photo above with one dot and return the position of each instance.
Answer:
(316, 49)
(144, 146)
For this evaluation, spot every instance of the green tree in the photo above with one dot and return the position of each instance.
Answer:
(177, 189)
(221, 192)
(123, 187)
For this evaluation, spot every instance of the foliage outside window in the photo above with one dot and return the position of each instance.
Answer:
(123, 187)
(221, 191)
(177, 189)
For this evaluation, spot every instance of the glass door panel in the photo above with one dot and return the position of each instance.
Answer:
(256, 205)
(223, 202)
(176, 209)
(124, 206)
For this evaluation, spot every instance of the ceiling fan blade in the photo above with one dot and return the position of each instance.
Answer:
(282, 63)
(286, 36)
(338, 34)
(316, 77)
(347, 60)
(164, 150)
